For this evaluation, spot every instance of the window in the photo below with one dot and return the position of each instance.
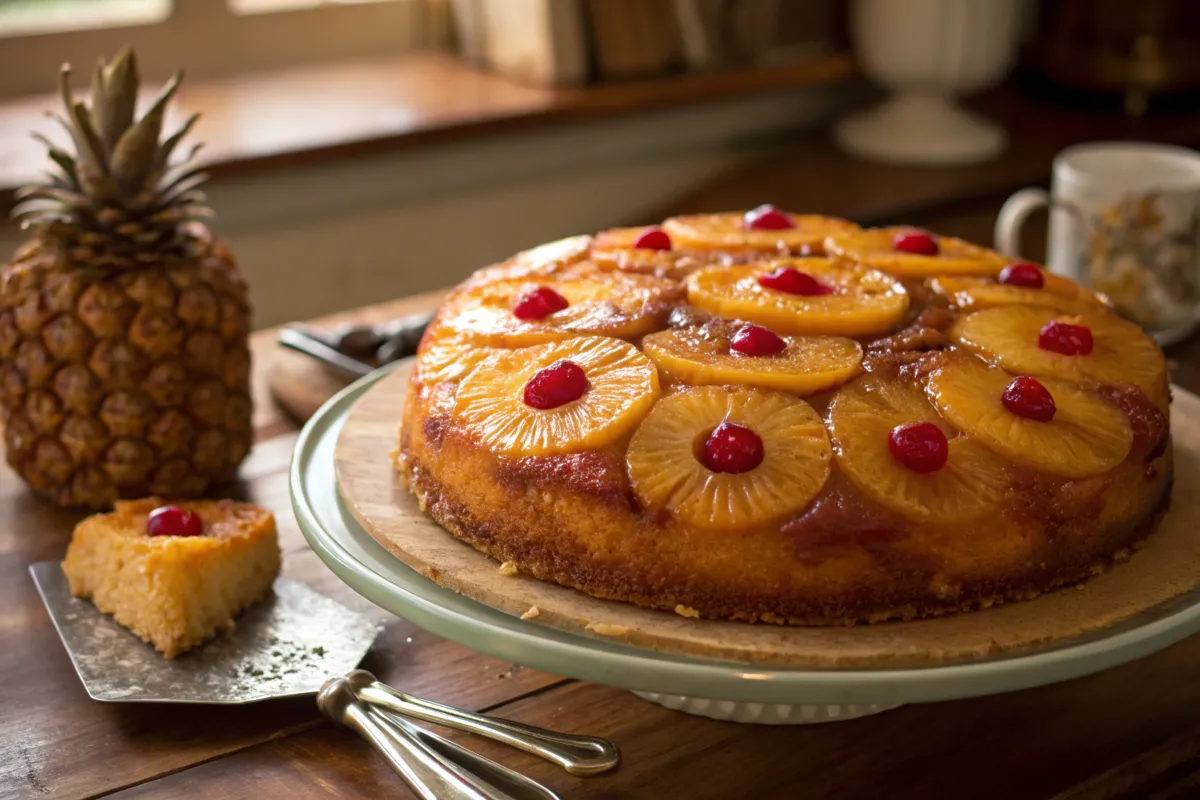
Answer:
(40, 16)
(207, 38)
(261, 6)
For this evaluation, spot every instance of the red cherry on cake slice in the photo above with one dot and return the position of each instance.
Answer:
(556, 385)
(732, 448)
(920, 446)
(1027, 397)
(755, 340)
(652, 238)
(918, 243)
(539, 303)
(767, 218)
(174, 521)
(792, 281)
(1066, 339)
(1023, 274)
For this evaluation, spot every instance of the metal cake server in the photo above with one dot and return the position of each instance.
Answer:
(357, 350)
(288, 645)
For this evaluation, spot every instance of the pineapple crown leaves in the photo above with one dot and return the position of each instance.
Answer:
(119, 161)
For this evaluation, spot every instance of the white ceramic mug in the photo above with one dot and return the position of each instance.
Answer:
(1124, 220)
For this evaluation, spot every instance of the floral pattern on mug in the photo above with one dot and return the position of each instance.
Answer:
(1148, 270)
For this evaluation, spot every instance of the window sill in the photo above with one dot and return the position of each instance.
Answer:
(323, 113)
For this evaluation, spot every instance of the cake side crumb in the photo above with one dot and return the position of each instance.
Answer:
(509, 569)
(532, 613)
(604, 629)
(687, 611)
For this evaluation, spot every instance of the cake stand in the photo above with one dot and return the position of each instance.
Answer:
(716, 688)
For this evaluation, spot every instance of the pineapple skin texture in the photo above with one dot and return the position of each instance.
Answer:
(575, 517)
(122, 384)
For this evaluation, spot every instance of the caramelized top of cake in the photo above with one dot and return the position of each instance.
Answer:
(757, 368)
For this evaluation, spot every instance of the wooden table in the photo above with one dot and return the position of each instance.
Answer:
(1040, 743)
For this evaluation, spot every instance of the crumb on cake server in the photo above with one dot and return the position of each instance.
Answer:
(174, 574)
(778, 417)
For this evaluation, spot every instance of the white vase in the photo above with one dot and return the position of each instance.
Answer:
(928, 52)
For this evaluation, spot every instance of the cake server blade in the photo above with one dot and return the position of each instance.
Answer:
(285, 646)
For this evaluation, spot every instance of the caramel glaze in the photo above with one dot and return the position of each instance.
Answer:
(844, 559)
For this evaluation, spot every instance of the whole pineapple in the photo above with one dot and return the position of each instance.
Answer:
(124, 321)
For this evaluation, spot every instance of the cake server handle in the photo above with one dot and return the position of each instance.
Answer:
(302, 342)
(420, 767)
(578, 755)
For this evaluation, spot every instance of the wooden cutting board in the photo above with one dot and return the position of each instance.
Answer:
(1167, 567)
(301, 384)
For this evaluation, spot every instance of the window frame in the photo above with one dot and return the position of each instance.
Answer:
(209, 41)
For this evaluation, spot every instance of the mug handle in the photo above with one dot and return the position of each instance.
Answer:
(1012, 216)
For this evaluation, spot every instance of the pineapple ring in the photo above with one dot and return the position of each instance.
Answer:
(1122, 352)
(542, 261)
(726, 231)
(614, 249)
(445, 356)
(1086, 437)
(665, 472)
(623, 385)
(602, 303)
(808, 365)
(872, 248)
(866, 302)
(1060, 293)
(861, 417)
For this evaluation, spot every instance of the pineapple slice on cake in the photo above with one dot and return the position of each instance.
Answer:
(555, 398)
(893, 445)
(801, 296)
(721, 352)
(581, 299)
(1091, 347)
(766, 229)
(647, 250)
(536, 262)
(913, 253)
(719, 457)
(124, 320)
(1045, 424)
(1020, 284)
(444, 355)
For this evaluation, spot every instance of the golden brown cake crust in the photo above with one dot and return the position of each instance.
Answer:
(575, 519)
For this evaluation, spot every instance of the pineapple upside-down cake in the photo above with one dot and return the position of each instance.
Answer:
(787, 418)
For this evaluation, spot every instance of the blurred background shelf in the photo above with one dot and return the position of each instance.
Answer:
(335, 111)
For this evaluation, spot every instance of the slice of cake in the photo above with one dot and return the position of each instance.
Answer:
(174, 574)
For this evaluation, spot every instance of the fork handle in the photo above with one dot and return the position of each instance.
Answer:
(578, 755)
(420, 767)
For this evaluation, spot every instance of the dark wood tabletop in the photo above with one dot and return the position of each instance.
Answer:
(1132, 731)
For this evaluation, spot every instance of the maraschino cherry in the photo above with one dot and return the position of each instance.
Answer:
(174, 521)
(767, 218)
(755, 340)
(1023, 274)
(539, 303)
(652, 238)
(1066, 339)
(1027, 397)
(556, 385)
(918, 243)
(732, 448)
(920, 446)
(793, 281)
